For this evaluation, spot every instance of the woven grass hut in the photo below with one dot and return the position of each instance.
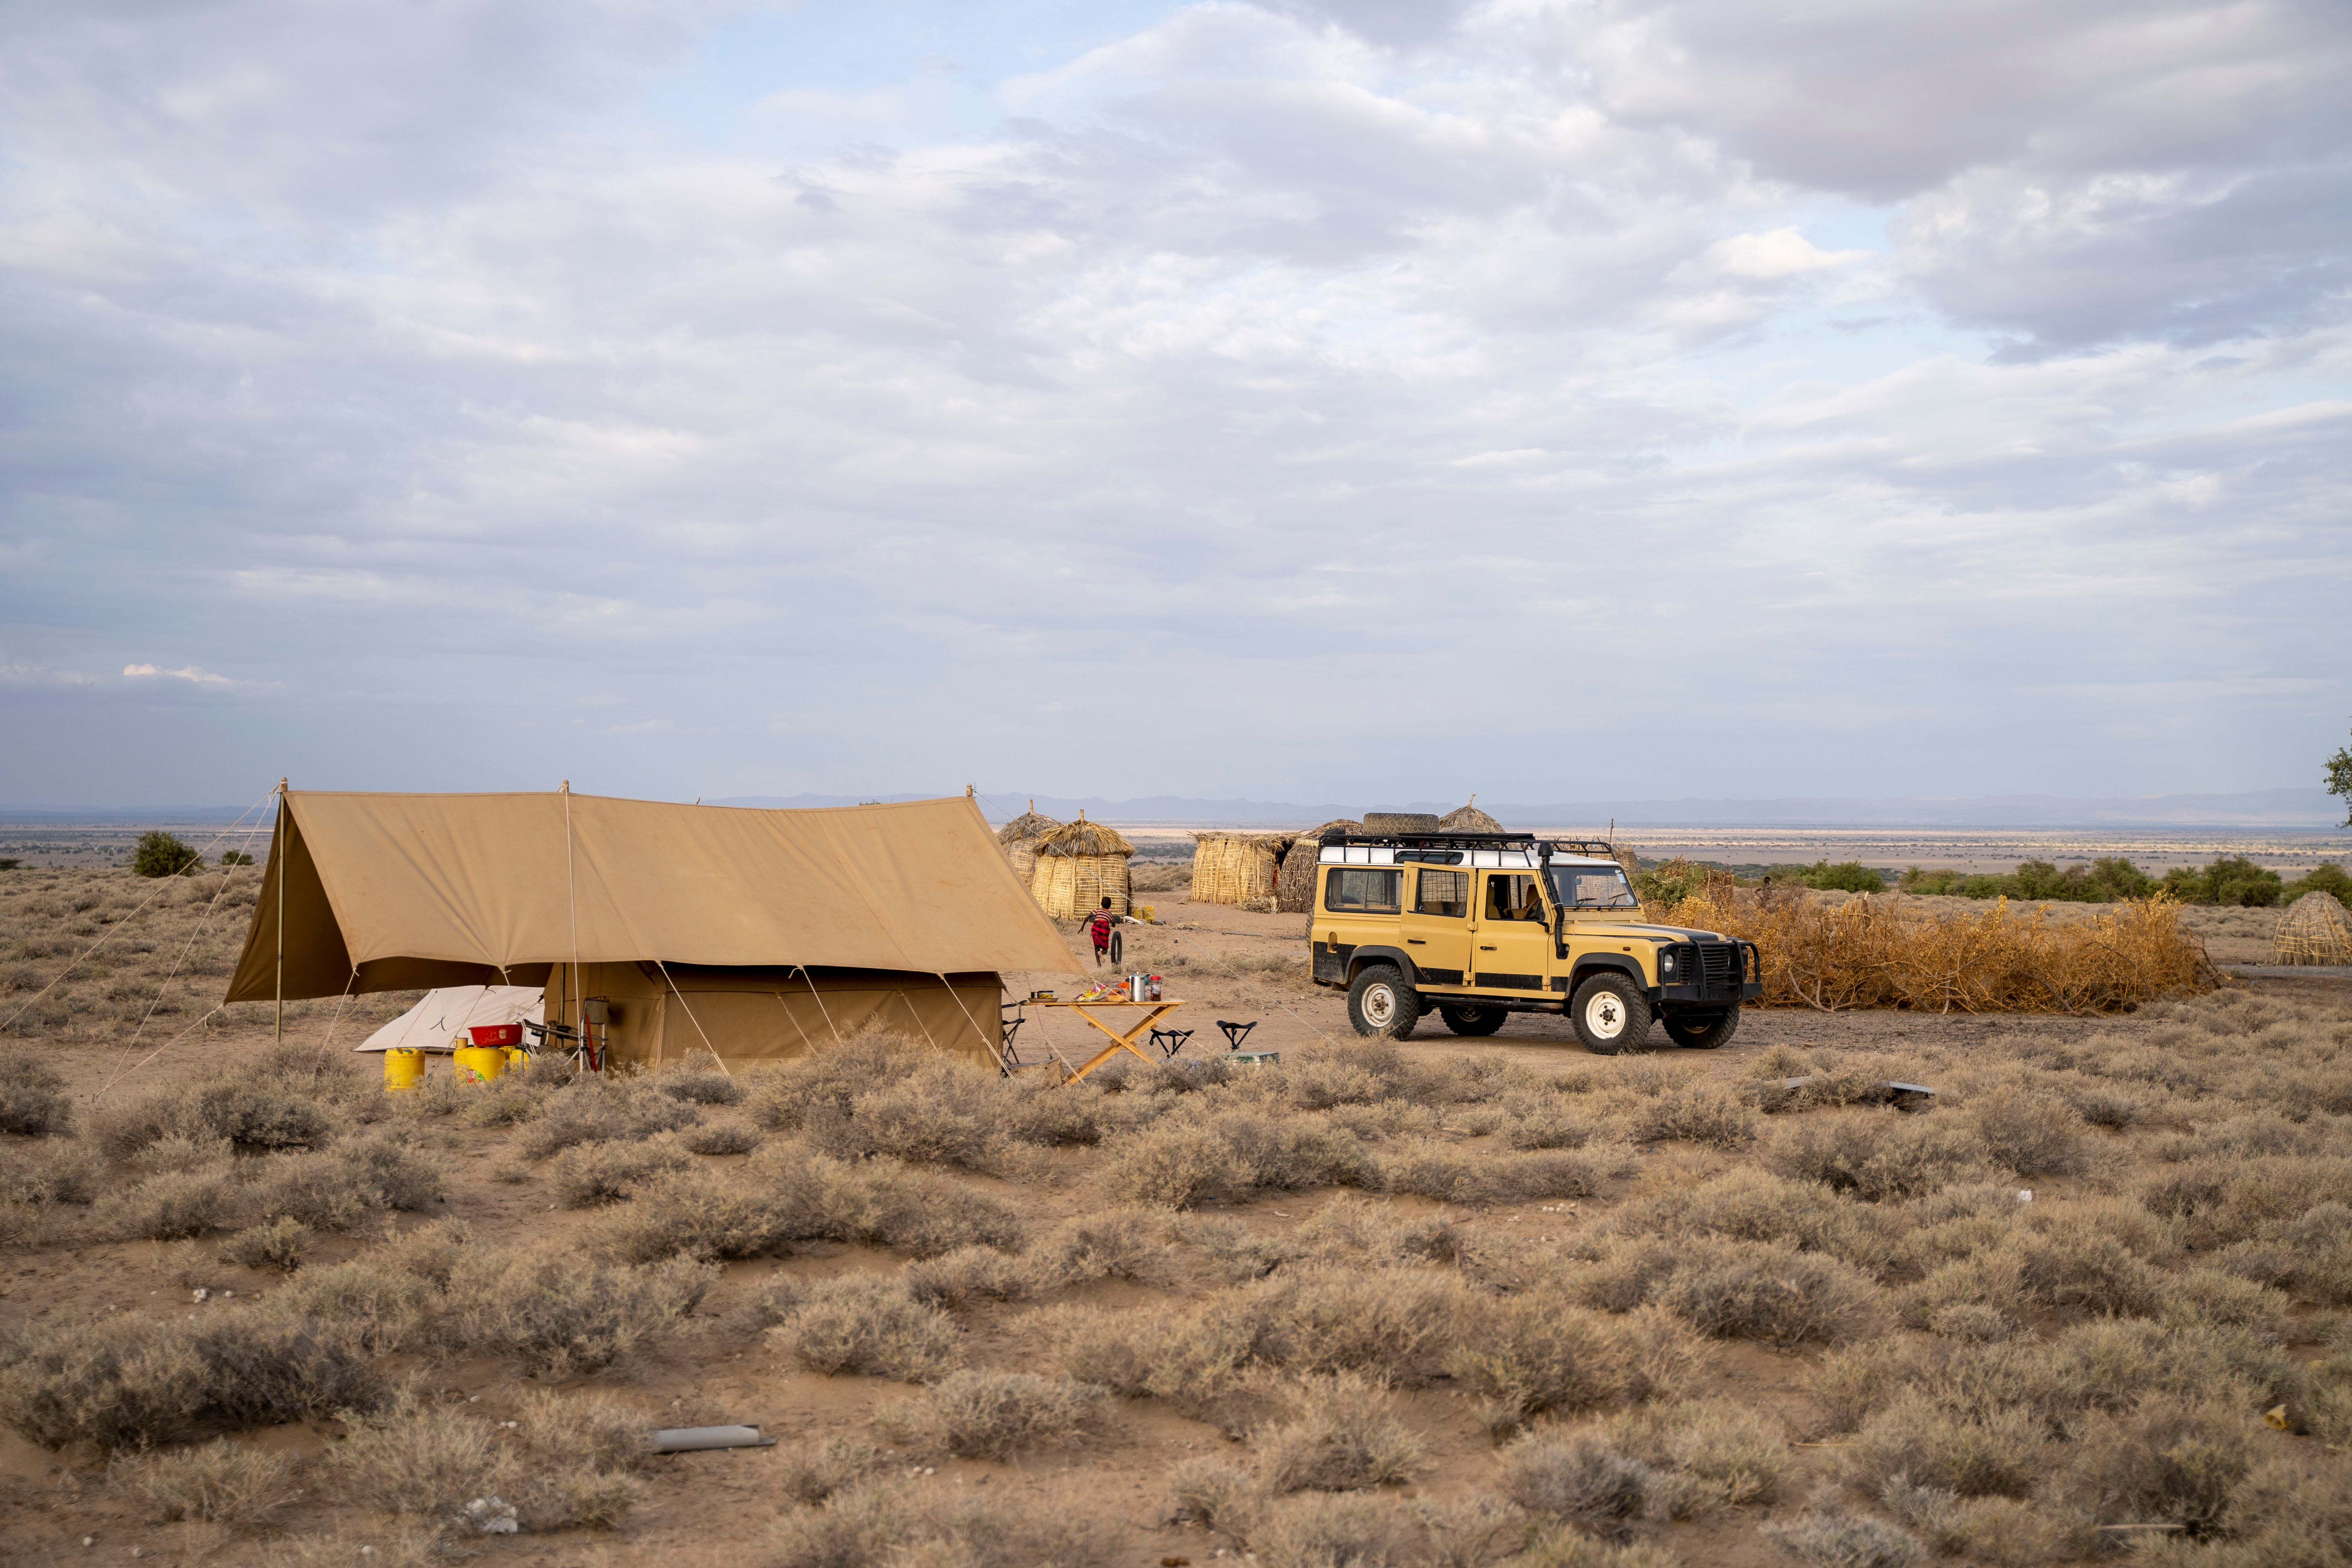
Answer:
(1079, 865)
(1238, 868)
(2315, 930)
(1294, 888)
(1019, 838)
(1468, 819)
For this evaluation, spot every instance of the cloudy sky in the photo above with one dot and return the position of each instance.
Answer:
(1371, 399)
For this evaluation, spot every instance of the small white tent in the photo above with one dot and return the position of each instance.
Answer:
(439, 1022)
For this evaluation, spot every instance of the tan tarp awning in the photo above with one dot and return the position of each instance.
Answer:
(419, 890)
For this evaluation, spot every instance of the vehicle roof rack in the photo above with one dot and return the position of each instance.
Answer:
(1477, 841)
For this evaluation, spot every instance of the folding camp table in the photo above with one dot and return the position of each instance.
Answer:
(1119, 1041)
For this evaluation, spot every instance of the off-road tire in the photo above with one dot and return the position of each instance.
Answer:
(1381, 1005)
(1472, 1021)
(1702, 1031)
(1380, 822)
(1609, 1014)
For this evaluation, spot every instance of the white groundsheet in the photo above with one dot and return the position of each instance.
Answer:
(439, 1022)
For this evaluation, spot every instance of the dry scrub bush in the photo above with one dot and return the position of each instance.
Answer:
(169, 1206)
(1581, 1478)
(1884, 1155)
(1703, 1455)
(1700, 1114)
(2031, 1135)
(1114, 1243)
(2289, 1511)
(1351, 1229)
(277, 1245)
(1397, 1323)
(557, 1312)
(1734, 1289)
(592, 1111)
(2003, 1532)
(49, 1173)
(218, 1482)
(602, 1173)
(720, 1138)
(255, 1112)
(1751, 1204)
(995, 1414)
(385, 1296)
(133, 1381)
(872, 1325)
(1881, 952)
(567, 1464)
(1284, 1152)
(1451, 1173)
(699, 1079)
(881, 1525)
(784, 1194)
(339, 1188)
(33, 1102)
(1559, 1548)
(1836, 1539)
(1340, 1432)
(953, 1278)
(1172, 1164)
(1533, 1354)
(811, 1471)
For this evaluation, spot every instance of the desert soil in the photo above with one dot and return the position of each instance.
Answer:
(1223, 964)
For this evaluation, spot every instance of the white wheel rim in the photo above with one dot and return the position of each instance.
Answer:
(1604, 1015)
(1380, 1005)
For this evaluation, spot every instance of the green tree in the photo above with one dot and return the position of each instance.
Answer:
(2339, 779)
(161, 854)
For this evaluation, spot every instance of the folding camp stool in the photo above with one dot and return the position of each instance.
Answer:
(1167, 1042)
(1011, 1028)
(1235, 1033)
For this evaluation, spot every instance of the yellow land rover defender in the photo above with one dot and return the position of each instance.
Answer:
(1483, 925)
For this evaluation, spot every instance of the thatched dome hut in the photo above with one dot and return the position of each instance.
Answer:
(1239, 868)
(1019, 837)
(2315, 930)
(1079, 865)
(1468, 819)
(1294, 888)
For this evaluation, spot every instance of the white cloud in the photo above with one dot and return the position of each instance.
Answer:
(190, 674)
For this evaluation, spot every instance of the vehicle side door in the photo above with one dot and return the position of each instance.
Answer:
(1436, 926)
(1510, 935)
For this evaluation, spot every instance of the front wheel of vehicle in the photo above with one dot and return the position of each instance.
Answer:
(1381, 1005)
(1473, 1021)
(1609, 1014)
(1703, 1031)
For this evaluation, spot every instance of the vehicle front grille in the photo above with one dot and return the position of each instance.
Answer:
(1719, 971)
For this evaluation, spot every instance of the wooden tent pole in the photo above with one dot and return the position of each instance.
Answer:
(278, 1033)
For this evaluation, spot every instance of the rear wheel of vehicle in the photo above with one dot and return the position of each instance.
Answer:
(1703, 1031)
(1609, 1014)
(1473, 1020)
(1381, 1005)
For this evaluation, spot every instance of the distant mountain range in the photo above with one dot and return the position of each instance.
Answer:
(2268, 808)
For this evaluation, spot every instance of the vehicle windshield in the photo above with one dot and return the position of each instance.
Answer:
(1592, 888)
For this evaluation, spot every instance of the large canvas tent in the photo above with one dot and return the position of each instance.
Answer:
(757, 934)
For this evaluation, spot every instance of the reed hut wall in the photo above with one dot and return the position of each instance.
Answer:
(1079, 865)
(1294, 888)
(2315, 930)
(1019, 839)
(1236, 867)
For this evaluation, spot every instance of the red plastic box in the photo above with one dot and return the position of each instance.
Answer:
(497, 1034)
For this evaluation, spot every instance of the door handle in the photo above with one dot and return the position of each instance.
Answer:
(1415, 942)
(1484, 948)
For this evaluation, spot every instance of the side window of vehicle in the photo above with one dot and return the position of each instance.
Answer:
(1363, 890)
(1442, 893)
(1510, 898)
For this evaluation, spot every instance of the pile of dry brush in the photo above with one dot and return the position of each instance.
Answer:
(1886, 953)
